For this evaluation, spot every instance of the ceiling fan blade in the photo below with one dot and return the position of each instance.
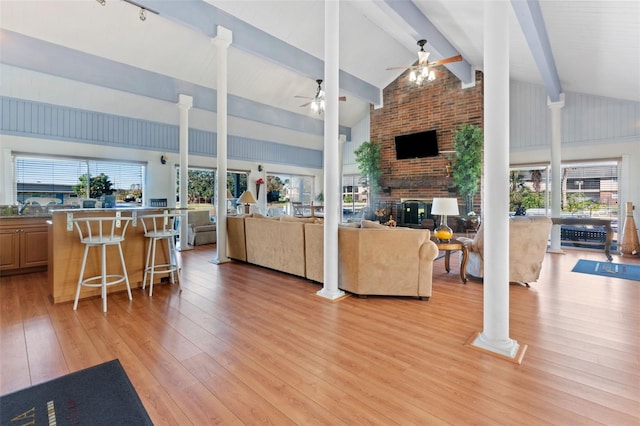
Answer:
(305, 105)
(456, 58)
(342, 98)
(398, 68)
(303, 97)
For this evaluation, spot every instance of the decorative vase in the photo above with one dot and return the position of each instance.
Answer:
(443, 233)
(257, 191)
(629, 245)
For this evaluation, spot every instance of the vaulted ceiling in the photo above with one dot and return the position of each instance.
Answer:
(590, 47)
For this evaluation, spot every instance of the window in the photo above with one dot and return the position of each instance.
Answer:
(201, 188)
(354, 194)
(65, 178)
(291, 188)
(589, 189)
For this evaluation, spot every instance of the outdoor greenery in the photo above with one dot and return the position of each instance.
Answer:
(521, 195)
(577, 202)
(467, 167)
(201, 186)
(98, 185)
(367, 156)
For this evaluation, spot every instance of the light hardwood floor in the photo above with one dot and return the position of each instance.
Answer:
(246, 345)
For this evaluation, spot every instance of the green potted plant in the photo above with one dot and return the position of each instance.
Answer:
(467, 167)
(367, 156)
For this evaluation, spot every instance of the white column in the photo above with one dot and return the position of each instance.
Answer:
(7, 177)
(222, 42)
(495, 334)
(343, 139)
(332, 191)
(184, 104)
(556, 172)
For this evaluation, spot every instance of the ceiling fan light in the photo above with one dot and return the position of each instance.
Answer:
(412, 76)
(432, 76)
(423, 57)
(424, 72)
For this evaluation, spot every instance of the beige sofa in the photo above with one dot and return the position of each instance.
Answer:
(385, 261)
(201, 230)
(275, 243)
(376, 261)
(528, 237)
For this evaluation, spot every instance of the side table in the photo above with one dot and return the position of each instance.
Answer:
(455, 246)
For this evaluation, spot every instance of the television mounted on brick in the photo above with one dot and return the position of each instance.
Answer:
(417, 145)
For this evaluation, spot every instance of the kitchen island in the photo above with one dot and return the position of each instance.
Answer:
(66, 251)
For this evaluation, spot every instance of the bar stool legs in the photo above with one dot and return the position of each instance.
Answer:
(103, 277)
(151, 268)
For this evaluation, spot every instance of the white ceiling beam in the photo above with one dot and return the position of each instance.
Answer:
(204, 17)
(533, 27)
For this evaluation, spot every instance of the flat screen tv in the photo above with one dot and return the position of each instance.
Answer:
(417, 145)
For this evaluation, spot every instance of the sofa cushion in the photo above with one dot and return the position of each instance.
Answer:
(287, 218)
(350, 225)
(204, 228)
(371, 224)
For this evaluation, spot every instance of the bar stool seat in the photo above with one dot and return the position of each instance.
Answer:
(158, 227)
(101, 232)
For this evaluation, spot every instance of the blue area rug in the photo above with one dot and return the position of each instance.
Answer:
(608, 269)
(99, 395)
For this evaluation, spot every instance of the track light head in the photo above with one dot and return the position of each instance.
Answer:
(143, 14)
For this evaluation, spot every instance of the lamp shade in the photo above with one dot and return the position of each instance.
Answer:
(247, 198)
(229, 194)
(445, 206)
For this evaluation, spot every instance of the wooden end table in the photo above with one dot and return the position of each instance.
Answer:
(454, 245)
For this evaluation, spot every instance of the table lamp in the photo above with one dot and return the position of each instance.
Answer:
(444, 207)
(247, 198)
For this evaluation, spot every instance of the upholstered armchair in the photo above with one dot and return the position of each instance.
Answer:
(528, 237)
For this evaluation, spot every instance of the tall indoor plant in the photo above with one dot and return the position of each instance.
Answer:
(367, 156)
(467, 167)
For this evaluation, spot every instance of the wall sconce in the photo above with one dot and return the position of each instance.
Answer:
(449, 166)
(163, 159)
(260, 168)
(143, 9)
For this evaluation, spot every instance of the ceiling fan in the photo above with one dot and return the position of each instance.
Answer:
(422, 72)
(317, 102)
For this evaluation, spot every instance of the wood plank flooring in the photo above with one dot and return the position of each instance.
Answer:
(246, 345)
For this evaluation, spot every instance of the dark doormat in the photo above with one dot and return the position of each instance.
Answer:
(99, 395)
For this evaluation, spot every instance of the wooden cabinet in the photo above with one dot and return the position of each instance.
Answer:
(23, 244)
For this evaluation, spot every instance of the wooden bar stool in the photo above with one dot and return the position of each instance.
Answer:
(157, 227)
(101, 232)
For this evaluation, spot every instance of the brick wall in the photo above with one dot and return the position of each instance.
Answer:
(441, 105)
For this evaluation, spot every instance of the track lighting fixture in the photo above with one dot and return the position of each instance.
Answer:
(143, 15)
(102, 2)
